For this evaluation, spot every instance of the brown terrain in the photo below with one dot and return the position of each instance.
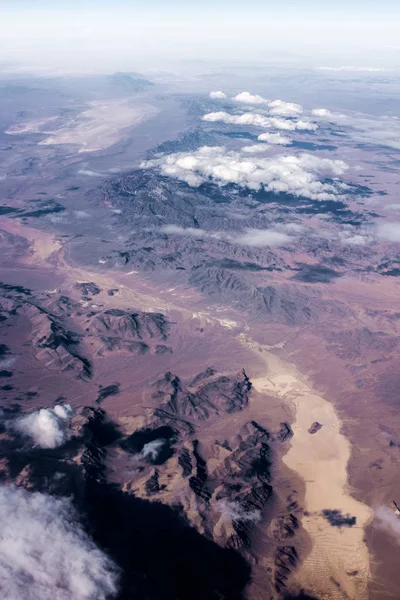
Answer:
(234, 430)
(228, 399)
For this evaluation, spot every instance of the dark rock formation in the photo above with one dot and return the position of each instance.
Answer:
(245, 478)
(285, 561)
(89, 288)
(152, 484)
(285, 527)
(159, 554)
(105, 392)
(314, 428)
(56, 345)
(215, 396)
(198, 481)
(285, 432)
(185, 463)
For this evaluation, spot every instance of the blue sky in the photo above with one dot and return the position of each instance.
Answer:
(116, 33)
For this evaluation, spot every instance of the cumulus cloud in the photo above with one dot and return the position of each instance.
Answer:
(298, 175)
(46, 555)
(285, 109)
(389, 232)
(233, 511)
(389, 521)
(275, 138)
(248, 98)
(277, 107)
(255, 149)
(321, 112)
(259, 120)
(48, 427)
(218, 95)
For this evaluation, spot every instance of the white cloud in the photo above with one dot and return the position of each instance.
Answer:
(285, 109)
(258, 120)
(321, 112)
(233, 511)
(278, 236)
(89, 173)
(364, 129)
(217, 95)
(389, 232)
(291, 174)
(274, 138)
(389, 521)
(45, 554)
(48, 427)
(354, 240)
(255, 149)
(248, 98)
(152, 449)
(277, 107)
(176, 230)
(260, 238)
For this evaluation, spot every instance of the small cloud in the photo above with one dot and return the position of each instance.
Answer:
(177, 230)
(45, 553)
(218, 95)
(260, 238)
(274, 138)
(285, 109)
(89, 173)
(248, 98)
(321, 112)
(151, 450)
(389, 232)
(234, 511)
(354, 240)
(81, 214)
(48, 427)
(255, 149)
(386, 519)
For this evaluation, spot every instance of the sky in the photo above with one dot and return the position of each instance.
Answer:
(106, 35)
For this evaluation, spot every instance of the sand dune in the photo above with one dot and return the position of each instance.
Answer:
(338, 565)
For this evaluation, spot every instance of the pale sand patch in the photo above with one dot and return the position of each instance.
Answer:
(338, 564)
(29, 126)
(43, 244)
(101, 126)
